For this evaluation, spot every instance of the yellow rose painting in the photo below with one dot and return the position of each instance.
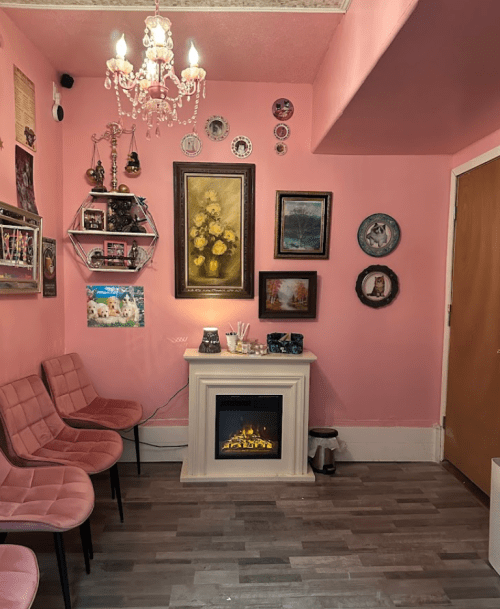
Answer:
(214, 219)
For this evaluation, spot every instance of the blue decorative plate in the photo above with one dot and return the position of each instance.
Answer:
(378, 235)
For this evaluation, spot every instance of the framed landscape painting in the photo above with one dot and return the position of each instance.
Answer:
(287, 294)
(214, 230)
(302, 228)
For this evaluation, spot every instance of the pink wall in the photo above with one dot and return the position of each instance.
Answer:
(375, 367)
(31, 327)
(359, 41)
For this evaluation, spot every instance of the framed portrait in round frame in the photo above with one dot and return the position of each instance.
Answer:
(241, 147)
(191, 145)
(281, 148)
(282, 131)
(217, 128)
(377, 286)
(378, 235)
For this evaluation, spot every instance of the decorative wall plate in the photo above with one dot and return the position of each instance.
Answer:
(283, 109)
(282, 131)
(217, 128)
(378, 235)
(96, 258)
(281, 148)
(377, 286)
(191, 144)
(142, 257)
(241, 147)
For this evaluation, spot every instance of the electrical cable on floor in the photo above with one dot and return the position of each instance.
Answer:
(151, 416)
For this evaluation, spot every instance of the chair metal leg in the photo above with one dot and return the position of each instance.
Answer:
(3, 537)
(115, 478)
(112, 485)
(85, 546)
(90, 547)
(137, 449)
(63, 571)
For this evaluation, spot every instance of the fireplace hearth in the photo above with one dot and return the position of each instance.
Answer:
(248, 417)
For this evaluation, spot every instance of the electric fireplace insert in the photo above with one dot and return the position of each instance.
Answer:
(248, 426)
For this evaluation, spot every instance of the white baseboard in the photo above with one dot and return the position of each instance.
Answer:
(361, 444)
(389, 444)
(161, 436)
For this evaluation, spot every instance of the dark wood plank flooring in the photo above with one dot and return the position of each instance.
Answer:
(373, 535)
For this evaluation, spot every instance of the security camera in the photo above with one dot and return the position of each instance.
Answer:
(57, 110)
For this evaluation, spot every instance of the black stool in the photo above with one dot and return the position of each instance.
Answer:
(323, 460)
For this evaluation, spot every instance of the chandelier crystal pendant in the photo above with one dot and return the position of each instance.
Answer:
(147, 88)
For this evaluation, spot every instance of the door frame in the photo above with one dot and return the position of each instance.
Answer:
(456, 172)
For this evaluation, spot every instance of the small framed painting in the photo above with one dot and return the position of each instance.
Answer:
(377, 286)
(217, 128)
(93, 219)
(378, 235)
(115, 252)
(287, 294)
(302, 228)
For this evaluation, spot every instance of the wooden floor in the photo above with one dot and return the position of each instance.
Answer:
(373, 535)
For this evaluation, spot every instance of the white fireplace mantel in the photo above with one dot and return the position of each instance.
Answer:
(229, 374)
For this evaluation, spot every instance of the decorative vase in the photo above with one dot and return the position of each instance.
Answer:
(212, 267)
(210, 342)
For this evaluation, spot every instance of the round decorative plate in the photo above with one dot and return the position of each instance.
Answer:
(282, 131)
(241, 147)
(378, 235)
(142, 258)
(377, 286)
(95, 258)
(283, 109)
(281, 148)
(191, 144)
(217, 128)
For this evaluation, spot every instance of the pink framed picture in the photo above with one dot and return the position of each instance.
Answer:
(115, 252)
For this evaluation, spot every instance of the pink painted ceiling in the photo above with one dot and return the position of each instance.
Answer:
(233, 46)
(434, 91)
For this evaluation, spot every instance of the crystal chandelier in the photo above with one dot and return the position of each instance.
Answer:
(147, 88)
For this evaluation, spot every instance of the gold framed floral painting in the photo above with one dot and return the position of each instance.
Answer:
(214, 230)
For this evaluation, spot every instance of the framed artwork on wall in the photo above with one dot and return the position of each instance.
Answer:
(377, 286)
(302, 227)
(214, 211)
(115, 251)
(287, 294)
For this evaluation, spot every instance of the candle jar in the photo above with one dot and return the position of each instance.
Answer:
(210, 342)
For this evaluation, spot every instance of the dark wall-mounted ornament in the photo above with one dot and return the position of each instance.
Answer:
(377, 286)
(378, 235)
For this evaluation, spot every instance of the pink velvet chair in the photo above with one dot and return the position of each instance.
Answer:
(36, 434)
(79, 404)
(54, 499)
(19, 577)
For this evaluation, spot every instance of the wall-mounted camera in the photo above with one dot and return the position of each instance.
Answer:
(57, 109)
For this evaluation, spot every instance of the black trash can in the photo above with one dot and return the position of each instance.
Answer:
(323, 460)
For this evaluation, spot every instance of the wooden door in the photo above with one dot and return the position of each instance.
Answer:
(472, 433)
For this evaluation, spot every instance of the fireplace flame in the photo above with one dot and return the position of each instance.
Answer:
(247, 438)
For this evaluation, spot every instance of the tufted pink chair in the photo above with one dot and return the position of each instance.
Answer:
(37, 435)
(54, 499)
(19, 577)
(79, 404)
